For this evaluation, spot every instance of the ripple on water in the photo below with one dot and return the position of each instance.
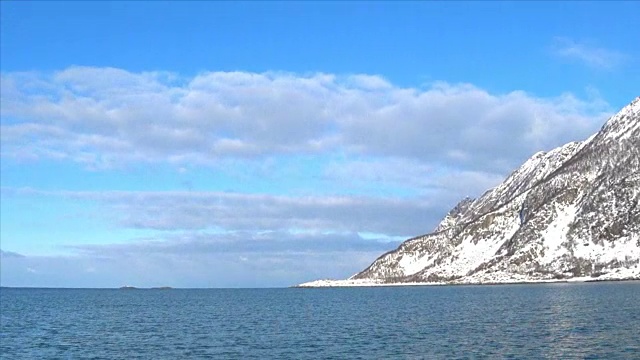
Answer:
(598, 320)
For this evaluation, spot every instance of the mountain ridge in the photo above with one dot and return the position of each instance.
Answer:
(568, 213)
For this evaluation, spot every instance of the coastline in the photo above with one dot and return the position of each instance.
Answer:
(631, 275)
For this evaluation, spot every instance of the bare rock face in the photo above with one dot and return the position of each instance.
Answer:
(571, 212)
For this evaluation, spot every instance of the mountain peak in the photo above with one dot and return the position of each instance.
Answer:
(625, 123)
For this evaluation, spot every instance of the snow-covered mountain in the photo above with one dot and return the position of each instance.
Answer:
(567, 214)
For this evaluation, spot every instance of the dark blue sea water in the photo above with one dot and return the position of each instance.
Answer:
(559, 321)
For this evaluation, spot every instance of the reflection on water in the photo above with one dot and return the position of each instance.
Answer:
(562, 304)
(509, 321)
(587, 323)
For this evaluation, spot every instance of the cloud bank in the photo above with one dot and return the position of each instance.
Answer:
(105, 117)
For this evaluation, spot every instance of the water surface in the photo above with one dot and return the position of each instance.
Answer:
(583, 320)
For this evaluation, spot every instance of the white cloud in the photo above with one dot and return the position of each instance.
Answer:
(590, 55)
(104, 117)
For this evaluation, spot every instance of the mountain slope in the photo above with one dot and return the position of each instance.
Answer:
(569, 213)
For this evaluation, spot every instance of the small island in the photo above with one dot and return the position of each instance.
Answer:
(128, 287)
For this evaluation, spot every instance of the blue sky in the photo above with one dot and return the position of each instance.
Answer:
(212, 144)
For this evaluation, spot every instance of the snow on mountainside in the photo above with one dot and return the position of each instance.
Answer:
(569, 214)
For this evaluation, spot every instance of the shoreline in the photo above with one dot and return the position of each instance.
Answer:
(360, 283)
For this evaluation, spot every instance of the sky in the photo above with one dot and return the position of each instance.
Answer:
(264, 144)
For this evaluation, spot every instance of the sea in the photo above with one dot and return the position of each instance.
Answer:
(529, 321)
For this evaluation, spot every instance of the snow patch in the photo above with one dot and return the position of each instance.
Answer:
(412, 264)
(555, 235)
